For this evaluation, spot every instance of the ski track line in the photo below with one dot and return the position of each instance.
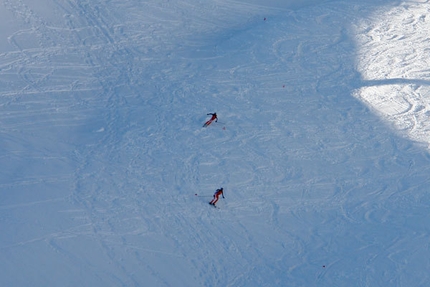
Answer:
(65, 234)
(100, 31)
(113, 125)
(22, 205)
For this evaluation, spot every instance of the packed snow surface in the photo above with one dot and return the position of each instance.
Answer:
(321, 146)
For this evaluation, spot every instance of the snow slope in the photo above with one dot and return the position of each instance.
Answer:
(107, 171)
(394, 60)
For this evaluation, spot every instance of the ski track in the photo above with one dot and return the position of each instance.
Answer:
(101, 130)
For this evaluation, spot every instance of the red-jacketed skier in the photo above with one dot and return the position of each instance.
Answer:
(217, 193)
(213, 118)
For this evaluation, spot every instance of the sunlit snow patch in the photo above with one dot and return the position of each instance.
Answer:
(394, 58)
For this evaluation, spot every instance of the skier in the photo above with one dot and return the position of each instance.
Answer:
(217, 193)
(213, 118)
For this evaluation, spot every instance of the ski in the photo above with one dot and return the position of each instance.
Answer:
(207, 123)
(214, 205)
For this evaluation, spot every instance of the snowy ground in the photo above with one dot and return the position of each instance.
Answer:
(321, 145)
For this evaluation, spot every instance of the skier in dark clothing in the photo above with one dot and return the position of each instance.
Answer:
(213, 118)
(217, 193)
